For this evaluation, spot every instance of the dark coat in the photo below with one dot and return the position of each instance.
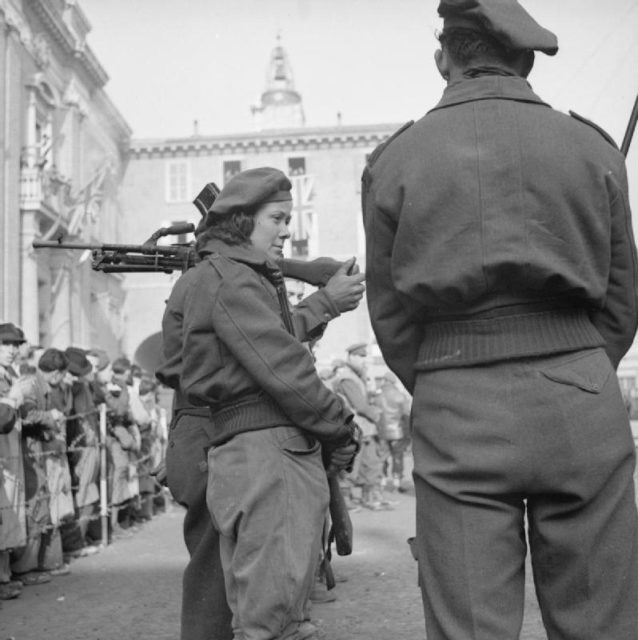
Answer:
(495, 200)
(235, 345)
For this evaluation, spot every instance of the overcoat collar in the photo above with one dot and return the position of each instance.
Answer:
(488, 87)
(246, 254)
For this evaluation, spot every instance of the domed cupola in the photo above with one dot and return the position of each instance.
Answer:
(281, 105)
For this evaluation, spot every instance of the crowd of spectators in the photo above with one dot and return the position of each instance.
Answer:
(78, 432)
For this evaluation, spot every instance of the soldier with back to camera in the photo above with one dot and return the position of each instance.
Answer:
(501, 274)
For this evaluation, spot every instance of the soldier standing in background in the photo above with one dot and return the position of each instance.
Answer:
(502, 289)
(352, 384)
(395, 427)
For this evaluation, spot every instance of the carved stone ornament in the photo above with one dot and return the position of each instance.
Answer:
(41, 51)
(73, 99)
(13, 21)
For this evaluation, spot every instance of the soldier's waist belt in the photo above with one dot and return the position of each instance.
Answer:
(198, 412)
(249, 414)
(456, 342)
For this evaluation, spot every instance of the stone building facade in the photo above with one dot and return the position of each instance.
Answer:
(62, 156)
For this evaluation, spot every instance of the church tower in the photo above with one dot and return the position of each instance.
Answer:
(281, 106)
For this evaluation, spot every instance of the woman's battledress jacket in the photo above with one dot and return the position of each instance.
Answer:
(240, 360)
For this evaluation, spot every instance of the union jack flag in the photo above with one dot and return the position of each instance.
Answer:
(302, 225)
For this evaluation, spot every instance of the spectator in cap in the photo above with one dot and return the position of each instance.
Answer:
(122, 377)
(235, 303)
(501, 273)
(123, 444)
(83, 443)
(12, 520)
(146, 415)
(47, 478)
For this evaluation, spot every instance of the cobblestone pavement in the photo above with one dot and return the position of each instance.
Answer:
(381, 600)
(131, 590)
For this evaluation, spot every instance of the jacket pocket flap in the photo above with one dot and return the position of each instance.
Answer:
(588, 372)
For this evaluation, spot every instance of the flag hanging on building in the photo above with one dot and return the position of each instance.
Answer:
(302, 224)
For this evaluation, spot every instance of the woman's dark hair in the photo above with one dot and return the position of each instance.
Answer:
(466, 47)
(233, 229)
(53, 360)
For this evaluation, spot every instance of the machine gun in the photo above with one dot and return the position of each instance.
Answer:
(136, 258)
(150, 257)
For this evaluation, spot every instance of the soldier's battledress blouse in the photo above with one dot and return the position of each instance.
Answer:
(267, 488)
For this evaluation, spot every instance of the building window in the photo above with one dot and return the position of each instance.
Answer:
(177, 181)
(296, 166)
(231, 169)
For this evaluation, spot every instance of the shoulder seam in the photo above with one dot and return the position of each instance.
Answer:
(374, 156)
(594, 126)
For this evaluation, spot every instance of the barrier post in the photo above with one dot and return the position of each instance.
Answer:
(104, 506)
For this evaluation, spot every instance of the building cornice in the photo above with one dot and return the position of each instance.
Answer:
(116, 120)
(69, 43)
(282, 140)
(91, 65)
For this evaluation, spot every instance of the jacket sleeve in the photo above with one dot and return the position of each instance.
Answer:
(239, 309)
(312, 314)
(170, 368)
(617, 320)
(358, 401)
(398, 337)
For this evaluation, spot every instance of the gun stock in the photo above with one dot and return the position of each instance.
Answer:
(315, 272)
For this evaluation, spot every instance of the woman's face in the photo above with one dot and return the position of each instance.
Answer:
(271, 228)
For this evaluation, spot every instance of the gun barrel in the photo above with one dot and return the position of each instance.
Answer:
(49, 244)
(138, 268)
(170, 250)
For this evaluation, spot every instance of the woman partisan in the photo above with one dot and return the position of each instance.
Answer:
(272, 417)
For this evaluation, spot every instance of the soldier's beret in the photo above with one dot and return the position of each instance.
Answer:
(249, 189)
(505, 20)
(79, 364)
(10, 333)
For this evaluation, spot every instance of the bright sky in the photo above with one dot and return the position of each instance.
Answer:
(171, 62)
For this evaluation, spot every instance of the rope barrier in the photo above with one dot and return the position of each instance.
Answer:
(137, 470)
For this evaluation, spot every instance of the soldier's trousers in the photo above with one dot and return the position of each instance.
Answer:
(205, 612)
(268, 496)
(544, 438)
